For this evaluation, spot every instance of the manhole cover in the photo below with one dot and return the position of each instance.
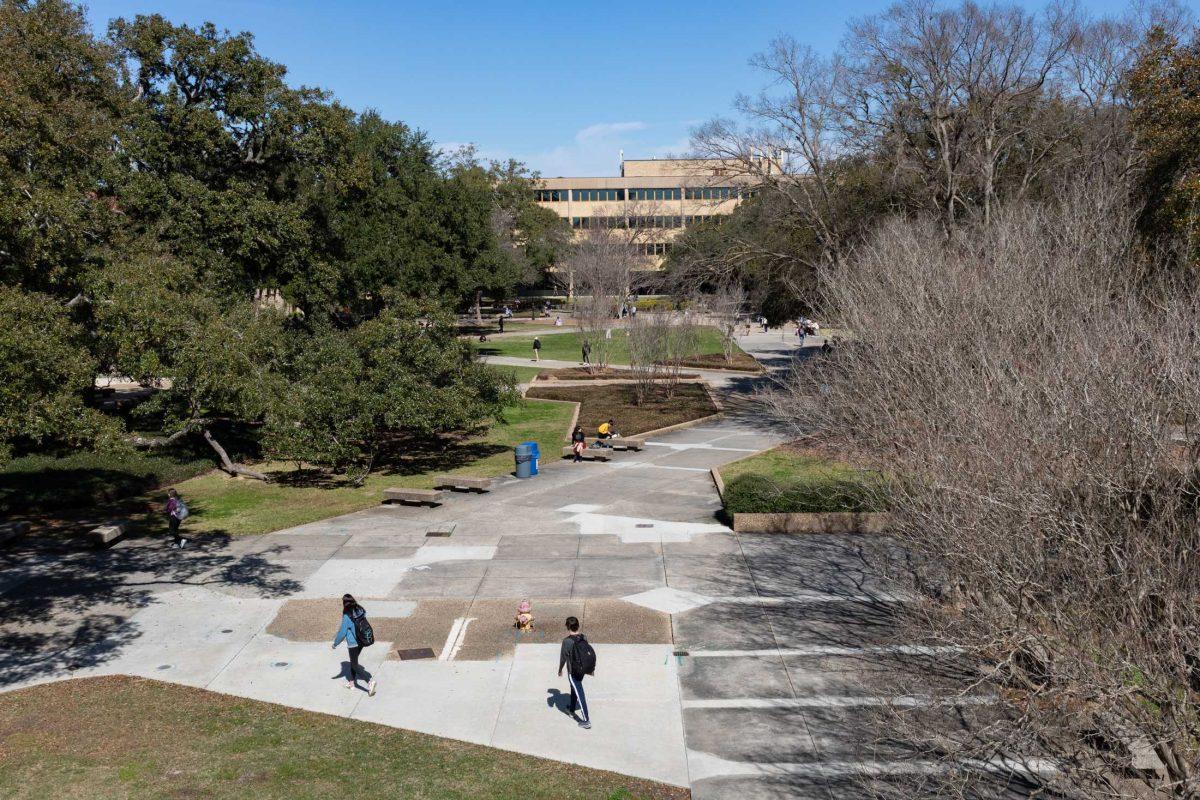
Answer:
(414, 654)
(437, 533)
(644, 525)
(280, 664)
(227, 630)
(164, 666)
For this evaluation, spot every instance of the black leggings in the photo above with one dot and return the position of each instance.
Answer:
(173, 525)
(354, 651)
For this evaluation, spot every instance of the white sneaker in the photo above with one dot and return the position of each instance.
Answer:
(371, 688)
(349, 684)
(182, 543)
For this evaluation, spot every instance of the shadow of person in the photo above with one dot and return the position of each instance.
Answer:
(359, 675)
(559, 700)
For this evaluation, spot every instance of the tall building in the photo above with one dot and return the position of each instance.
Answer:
(654, 199)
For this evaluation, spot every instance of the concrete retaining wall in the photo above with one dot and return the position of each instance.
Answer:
(811, 523)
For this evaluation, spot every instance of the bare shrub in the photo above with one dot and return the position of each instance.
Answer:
(723, 306)
(1028, 385)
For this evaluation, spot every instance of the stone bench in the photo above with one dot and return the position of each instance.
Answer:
(11, 530)
(598, 453)
(105, 535)
(626, 442)
(468, 482)
(417, 496)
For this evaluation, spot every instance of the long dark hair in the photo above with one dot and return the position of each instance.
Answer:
(349, 604)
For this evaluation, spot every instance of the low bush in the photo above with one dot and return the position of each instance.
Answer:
(758, 494)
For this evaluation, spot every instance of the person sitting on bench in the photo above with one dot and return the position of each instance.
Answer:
(607, 430)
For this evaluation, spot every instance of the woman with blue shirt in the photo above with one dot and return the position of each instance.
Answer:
(351, 611)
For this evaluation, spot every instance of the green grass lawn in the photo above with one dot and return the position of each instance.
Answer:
(220, 503)
(786, 479)
(120, 737)
(567, 346)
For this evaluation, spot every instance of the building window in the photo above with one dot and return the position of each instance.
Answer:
(655, 222)
(712, 193)
(550, 195)
(653, 248)
(594, 223)
(654, 194)
(598, 195)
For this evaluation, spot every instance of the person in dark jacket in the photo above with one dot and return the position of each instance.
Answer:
(575, 677)
(578, 442)
(351, 611)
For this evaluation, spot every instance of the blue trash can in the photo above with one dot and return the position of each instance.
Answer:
(537, 456)
(524, 458)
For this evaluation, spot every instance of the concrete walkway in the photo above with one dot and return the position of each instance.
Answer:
(742, 666)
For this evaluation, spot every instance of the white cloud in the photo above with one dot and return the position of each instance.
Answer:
(608, 130)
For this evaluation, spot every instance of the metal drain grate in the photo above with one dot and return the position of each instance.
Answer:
(429, 534)
(414, 654)
(644, 525)
(680, 653)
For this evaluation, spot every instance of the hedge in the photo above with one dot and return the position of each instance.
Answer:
(757, 494)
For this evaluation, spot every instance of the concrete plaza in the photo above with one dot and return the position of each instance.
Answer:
(739, 665)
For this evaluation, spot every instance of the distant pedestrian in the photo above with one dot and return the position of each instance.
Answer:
(764, 324)
(579, 658)
(633, 311)
(537, 349)
(800, 333)
(578, 442)
(357, 633)
(587, 352)
(558, 321)
(502, 323)
(177, 512)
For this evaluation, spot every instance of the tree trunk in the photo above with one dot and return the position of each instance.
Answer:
(226, 464)
(155, 442)
(479, 307)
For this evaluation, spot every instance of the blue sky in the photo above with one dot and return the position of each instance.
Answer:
(561, 86)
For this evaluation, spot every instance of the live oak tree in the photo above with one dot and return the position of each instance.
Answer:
(356, 395)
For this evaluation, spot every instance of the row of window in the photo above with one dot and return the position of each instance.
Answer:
(618, 195)
(653, 248)
(591, 223)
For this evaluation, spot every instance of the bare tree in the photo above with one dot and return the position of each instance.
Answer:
(723, 306)
(603, 268)
(1036, 394)
(659, 344)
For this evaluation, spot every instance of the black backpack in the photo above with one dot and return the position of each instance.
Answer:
(362, 629)
(583, 657)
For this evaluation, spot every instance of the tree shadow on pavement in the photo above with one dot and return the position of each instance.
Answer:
(64, 608)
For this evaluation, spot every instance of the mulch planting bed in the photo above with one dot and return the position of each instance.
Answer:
(616, 402)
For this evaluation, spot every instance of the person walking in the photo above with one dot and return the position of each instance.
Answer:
(177, 512)
(502, 323)
(537, 349)
(579, 658)
(354, 628)
(587, 352)
(578, 442)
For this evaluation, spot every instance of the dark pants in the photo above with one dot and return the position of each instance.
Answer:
(578, 698)
(354, 668)
(173, 526)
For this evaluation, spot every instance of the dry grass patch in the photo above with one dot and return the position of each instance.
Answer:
(121, 737)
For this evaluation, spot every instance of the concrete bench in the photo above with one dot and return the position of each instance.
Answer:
(626, 443)
(598, 453)
(418, 496)
(468, 482)
(105, 535)
(11, 530)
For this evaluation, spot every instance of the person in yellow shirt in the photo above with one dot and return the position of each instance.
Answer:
(606, 430)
